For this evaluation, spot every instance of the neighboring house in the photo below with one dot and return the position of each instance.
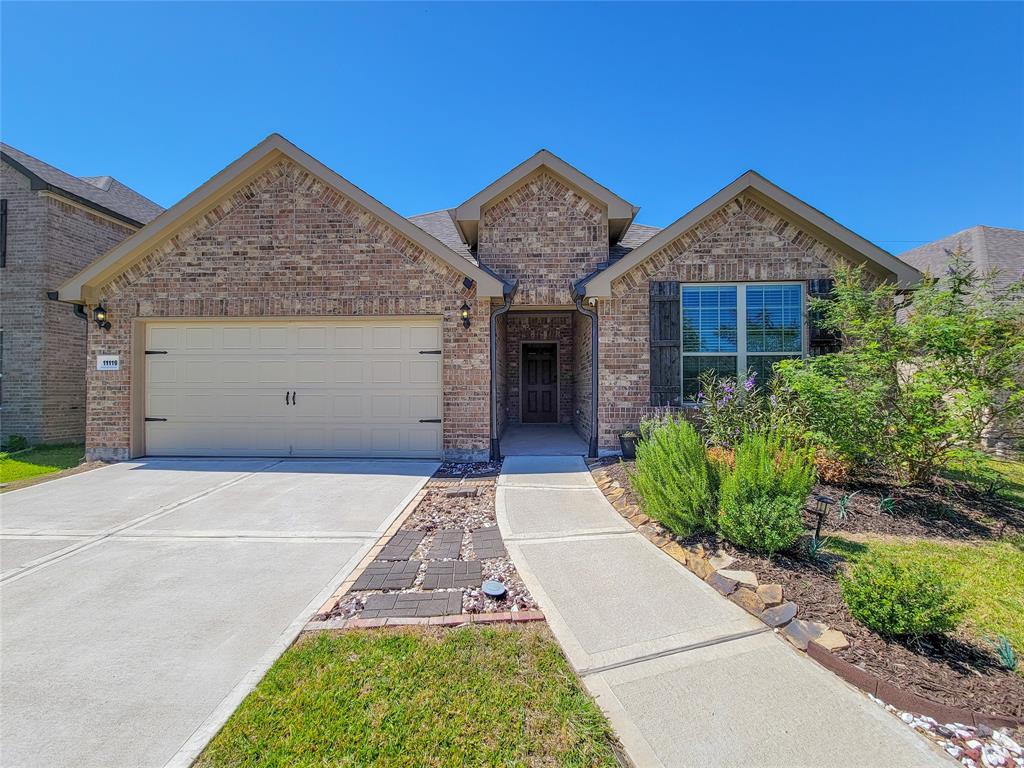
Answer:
(53, 224)
(279, 310)
(998, 254)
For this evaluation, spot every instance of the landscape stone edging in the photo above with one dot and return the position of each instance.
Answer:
(904, 700)
(454, 620)
(695, 559)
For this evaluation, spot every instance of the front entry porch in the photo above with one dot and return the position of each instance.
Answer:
(542, 440)
(542, 377)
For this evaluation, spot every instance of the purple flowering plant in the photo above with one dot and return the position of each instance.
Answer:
(729, 407)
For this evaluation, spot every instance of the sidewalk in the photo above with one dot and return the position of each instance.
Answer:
(686, 677)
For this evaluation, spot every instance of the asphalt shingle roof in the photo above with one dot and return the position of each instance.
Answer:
(103, 191)
(991, 249)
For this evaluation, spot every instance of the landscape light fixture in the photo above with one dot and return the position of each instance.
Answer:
(821, 505)
(100, 316)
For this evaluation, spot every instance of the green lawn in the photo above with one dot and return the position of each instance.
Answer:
(990, 577)
(1008, 474)
(475, 696)
(39, 461)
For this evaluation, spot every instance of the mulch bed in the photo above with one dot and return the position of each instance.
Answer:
(956, 670)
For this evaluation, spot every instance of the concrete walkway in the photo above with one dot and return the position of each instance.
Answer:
(686, 677)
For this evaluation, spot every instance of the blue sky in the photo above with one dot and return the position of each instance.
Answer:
(902, 121)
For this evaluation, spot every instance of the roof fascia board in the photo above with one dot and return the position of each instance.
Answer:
(81, 288)
(39, 184)
(599, 285)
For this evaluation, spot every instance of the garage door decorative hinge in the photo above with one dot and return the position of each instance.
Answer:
(430, 421)
(156, 351)
(430, 351)
(154, 418)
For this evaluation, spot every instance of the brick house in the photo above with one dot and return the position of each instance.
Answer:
(279, 310)
(53, 224)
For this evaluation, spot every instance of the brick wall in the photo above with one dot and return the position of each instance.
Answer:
(284, 245)
(527, 327)
(582, 375)
(743, 241)
(501, 383)
(545, 234)
(48, 241)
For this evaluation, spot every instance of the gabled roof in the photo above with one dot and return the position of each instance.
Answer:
(81, 288)
(751, 182)
(620, 212)
(102, 193)
(992, 250)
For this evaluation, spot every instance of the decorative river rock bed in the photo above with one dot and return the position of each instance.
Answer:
(434, 555)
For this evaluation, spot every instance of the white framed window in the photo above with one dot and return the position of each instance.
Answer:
(731, 328)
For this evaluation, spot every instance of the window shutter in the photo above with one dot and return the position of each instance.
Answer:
(665, 384)
(821, 341)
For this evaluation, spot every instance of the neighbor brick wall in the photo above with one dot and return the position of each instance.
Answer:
(48, 241)
(743, 241)
(547, 235)
(527, 327)
(287, 245)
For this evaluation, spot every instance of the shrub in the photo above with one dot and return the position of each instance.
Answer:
(15, 443)
(762, 494)
(913, 389)
(673, 477)
(901, 600)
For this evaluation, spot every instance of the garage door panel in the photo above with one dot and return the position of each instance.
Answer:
(424, 337)
(387, 337)
(275, 337)
(311, 371)
(424, 372)
(360, 388)
(386, 372)
(349, 372)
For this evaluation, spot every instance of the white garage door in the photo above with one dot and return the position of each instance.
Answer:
(368, 387)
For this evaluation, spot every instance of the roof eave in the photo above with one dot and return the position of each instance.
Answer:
(39, 184)
(81, 288)
(905, 276)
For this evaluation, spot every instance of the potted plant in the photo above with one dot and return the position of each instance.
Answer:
(627, 442)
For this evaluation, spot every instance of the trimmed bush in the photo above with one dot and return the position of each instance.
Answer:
(898, 600)
(673, 477)
(762, 493)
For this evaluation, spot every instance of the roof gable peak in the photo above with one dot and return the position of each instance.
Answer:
(620, 212)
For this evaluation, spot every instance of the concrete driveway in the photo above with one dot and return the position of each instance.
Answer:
(140, 602)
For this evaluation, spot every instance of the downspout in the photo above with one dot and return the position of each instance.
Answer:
(578, 298)
(509, 293)
(78, 309)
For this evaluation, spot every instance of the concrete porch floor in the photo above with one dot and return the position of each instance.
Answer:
(542, 440)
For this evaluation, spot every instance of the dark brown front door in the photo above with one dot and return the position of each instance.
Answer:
(540, 384)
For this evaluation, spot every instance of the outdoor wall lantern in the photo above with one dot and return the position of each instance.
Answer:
(100, 316)
(464, 311)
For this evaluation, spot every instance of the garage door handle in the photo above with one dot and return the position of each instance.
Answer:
(430, 421)
(287, 398)
(294, 398)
